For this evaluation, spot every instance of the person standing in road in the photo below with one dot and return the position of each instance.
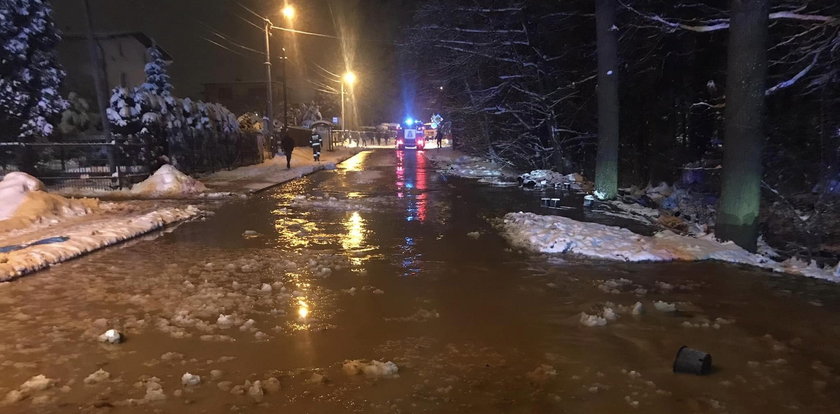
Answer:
(439, 137)
(315, 141)
(287, 144)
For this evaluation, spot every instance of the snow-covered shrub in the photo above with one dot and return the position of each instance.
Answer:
(157, 77)
(125, 111)
(30, 75)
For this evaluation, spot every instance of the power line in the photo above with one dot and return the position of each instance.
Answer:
(226, 48)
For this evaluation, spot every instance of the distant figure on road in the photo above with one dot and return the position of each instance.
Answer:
(315, 141)
(439, 138)
(287, 144)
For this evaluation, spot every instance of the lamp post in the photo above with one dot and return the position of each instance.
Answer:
(349, 78)
(289, 13)
(269, 99)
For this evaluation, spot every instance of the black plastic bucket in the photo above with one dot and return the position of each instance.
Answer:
(692, 361)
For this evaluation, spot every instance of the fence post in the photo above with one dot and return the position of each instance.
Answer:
(150, 159)
(115, 164)
(109, 145)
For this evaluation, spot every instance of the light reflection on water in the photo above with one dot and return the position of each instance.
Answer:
(476, 325)
(355, 163)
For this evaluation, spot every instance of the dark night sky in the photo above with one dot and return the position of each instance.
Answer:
(370, 29)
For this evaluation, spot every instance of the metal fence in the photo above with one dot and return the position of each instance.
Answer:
(97, 163)
(362, 138)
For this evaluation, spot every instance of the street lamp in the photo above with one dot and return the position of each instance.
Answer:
(349, 78)
(288, 12)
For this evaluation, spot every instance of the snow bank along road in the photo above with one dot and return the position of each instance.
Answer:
(555, 234)
(88, 236)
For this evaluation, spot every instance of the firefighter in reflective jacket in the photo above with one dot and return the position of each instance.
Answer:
(315, 141)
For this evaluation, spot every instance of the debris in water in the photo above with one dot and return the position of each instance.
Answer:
(473, 234)
(692, 361)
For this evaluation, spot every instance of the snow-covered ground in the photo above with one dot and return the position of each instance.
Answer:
(257, 177)
(555, 234)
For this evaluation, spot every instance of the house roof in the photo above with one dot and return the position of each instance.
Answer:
(141, 37)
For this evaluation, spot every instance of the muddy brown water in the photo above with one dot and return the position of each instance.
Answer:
(472, 325)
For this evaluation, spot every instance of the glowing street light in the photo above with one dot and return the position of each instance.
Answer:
(288, 12)
(348, 78)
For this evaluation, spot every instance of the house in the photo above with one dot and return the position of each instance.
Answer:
(124, 54)
(244, 96)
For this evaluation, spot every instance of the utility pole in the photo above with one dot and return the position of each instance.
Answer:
(98, 76)
(100, 84)
(285, 96)
(343, 124)
(269, 99)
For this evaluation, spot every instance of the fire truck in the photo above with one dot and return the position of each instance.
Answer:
(412, 135)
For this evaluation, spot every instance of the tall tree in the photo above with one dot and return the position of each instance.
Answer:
(606, 164)
(746, 76)
(29, 72)
(157, 77)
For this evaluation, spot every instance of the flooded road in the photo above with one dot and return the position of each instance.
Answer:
(281, 302)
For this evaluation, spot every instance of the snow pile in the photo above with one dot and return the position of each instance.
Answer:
(168, 181)
(555, 234)
(23, 201)
(13, 190)
(372, 369)
(548, 178)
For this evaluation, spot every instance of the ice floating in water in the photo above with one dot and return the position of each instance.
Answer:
(31, 386)
(190, 379)
(225, 321)
(372, 369)
(255, 391)
(473, 234)
(542, 373)
(664, 306)
(97, 377)
(111, 336)
(592, 320)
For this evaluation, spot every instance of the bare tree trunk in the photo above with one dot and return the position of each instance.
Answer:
(746, 75)
(606, 166)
